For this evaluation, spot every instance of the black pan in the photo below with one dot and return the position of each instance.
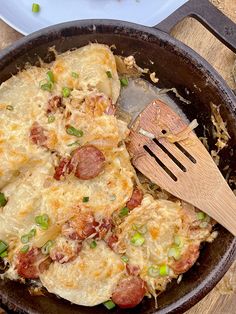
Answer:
(177, 66)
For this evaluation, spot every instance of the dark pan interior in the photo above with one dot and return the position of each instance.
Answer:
(176, 66)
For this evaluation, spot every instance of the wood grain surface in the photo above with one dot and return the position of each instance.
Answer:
(222, 299)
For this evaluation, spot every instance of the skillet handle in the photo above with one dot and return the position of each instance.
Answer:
(208, 15)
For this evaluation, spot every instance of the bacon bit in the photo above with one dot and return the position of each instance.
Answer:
(63, 168)
(29, 265)
(136, 199)
(80, 227)
(37, 134)
(104, 227)
(132, 270)
(111, 241)
(54, 103)
(65, 254)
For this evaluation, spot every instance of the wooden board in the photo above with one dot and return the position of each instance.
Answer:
(222, 299)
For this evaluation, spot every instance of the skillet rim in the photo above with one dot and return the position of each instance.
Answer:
(125, 28)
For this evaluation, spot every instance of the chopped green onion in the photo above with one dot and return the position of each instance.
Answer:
(74, 74)
(178, 241)
(3, 200)
(3, 246)
(74, 143)
(137, 239)
(124, 82)
(25, 238)
(73, 131)
(50, 76)
(46, 86)
(141, 229)
(24, 249)
(124, 212)
(164, 270)
(174, 252)
(201, 216)
(109, 75)
(125, 259)
(32, 233)
(4, 254)
(35, 7)
(51, 119)
(109, 304)
(47, 247)
(42, 221)
(93, 244)
(9, 107)
(153, 271)
(65, 92)
(85, 199)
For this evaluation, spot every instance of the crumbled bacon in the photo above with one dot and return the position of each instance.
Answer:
(54, 103)
(37, 134)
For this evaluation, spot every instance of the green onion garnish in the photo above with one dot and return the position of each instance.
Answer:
(3, 200)
(51, 119)
(201, 216)
(74, 74)
(109, 75)
(3, 246)
(73, 131)
(32, 233)
(35, 7)
(124, 82)
(124, 212)
(46, 86)
(109, 304)
(137, 239)
(42, 221)
(24, 249)
(65, 92)
(85, 199)
(47, 247)
(50, 76)
(153, 271)
(25, 238)
(125, 259)
(3, 254)
(164, 270)
(9, 107)
(174, 252)
(93, 244)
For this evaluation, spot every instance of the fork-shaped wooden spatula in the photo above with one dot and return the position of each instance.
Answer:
(184, 168)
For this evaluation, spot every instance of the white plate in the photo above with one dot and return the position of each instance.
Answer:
(19, 15)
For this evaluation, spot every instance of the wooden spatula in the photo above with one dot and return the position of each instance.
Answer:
(183, 168)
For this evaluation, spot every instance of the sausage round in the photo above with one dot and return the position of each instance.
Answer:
(136, 199)
(129, 292)
(187, 260)
(87, 162)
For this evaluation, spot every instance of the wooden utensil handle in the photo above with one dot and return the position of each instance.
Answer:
(208, 15)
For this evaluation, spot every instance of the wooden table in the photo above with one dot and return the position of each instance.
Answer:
(222, 299)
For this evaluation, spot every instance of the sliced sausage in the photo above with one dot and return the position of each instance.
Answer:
(37, 134)
(87, 162)
(62, 169)
(133, 270)
(187, 260)
(54, 103)
(129, 292)
(104, 227)
(31, 264)
(66, 253)
(80, 227)
(136, 199)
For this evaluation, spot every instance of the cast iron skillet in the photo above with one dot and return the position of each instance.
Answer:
(177, 66)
